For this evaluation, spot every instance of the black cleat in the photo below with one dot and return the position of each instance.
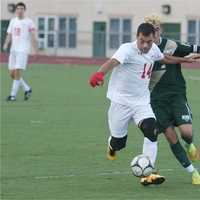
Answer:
(27, 94)
(11, 98)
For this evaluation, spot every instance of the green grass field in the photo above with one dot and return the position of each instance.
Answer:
(53, 146)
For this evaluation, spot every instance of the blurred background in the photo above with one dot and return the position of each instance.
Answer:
(96, 28)
(53, 147)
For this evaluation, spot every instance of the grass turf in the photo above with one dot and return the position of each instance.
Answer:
(53, 146)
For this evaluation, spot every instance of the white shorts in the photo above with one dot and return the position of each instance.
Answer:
(17, 60)
(119, 117)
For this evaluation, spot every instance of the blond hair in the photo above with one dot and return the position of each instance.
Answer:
(153, 19)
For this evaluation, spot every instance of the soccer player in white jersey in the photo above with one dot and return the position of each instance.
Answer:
(20, 33)
(129, 93)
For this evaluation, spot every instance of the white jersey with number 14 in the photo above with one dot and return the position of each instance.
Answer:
(129, 82)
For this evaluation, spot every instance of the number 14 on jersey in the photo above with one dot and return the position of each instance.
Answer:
(147, 70)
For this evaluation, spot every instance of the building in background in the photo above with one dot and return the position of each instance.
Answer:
(96, 28)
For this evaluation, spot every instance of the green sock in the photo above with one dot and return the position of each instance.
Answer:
(180, 154)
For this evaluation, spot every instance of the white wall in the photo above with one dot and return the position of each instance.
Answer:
(88, 11)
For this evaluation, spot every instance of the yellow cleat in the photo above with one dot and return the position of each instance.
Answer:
(193, 152)
(111, 154)
(152, 179)
(195, 178)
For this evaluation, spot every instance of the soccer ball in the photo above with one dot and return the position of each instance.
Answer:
(141, 166)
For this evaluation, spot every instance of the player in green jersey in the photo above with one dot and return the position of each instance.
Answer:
(169, 102)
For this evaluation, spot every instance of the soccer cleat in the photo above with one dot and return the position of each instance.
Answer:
(27, 94)
(195, 178)
(111, 154)
(11, 98)
(193, 152)
(152, 179)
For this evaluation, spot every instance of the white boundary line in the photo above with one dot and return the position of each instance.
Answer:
(97, 174)
(36, 122)
(194, 78)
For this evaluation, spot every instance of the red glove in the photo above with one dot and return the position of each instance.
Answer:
(97, 79)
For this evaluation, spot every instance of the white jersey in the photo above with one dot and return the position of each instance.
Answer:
(21, 29)
(129, 81)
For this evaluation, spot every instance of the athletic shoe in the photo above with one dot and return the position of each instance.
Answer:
(152, 179)
(195, 178)
(193, 152)
(111, 154)
(11, 98)
(27, 94)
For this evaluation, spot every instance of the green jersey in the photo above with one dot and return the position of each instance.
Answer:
(166, 79)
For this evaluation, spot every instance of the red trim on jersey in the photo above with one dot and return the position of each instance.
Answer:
(31, 29)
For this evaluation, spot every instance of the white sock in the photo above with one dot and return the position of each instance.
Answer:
(150, 149)
(190, 168)
(109, 139)
(24, 85)
(15, 88)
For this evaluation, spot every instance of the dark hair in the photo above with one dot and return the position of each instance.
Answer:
(20, 4)
(146, 29)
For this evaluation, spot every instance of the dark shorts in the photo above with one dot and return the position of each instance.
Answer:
(172, 111)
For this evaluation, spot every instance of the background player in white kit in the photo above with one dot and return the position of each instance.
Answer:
(129, 93)
(20, 33)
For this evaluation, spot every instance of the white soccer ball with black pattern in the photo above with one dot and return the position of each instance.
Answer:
(141, 166)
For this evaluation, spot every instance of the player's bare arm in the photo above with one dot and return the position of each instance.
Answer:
(7, 41)
(34, 41)
(98, 78)
(193, 55)
(109, 65)
(168, 59)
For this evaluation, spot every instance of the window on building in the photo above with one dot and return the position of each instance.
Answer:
(51, 32)
(67, 32)
(41, 32)
(72, 33)
(114, 33)
(50, 41)
(41, 24)
(126, 33)
(193, 31)
(120, 32)
(60, 32)
(51, 24)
